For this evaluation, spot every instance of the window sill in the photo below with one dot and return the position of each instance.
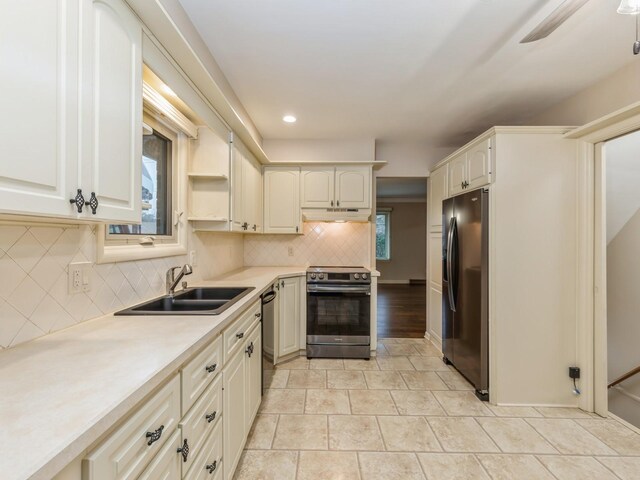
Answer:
(126, 253)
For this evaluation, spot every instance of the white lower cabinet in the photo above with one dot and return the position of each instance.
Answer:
(157, 442)
(128, 450)
(166, 465)
(290, 316)
(235, 401)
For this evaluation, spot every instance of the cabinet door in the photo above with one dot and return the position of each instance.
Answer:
(457, 174)
(435, 314)
(438, 183)
(353, 187)
(111, 105)
(317, 187)
(38, 58)
(253, 352)
(233, 417)
(289, 321)
(256, 199)
(479, 165)
(281, 200)
(237, 167)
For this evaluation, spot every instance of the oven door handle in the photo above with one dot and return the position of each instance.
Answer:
(339, 289)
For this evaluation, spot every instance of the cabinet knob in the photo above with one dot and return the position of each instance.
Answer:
(184, 451)
(93, 203)
(338, 203)
(297, 229)
(211, 467)
(254, 227)
(332, 203)
(78, 200)
(258, 315)
(211, 368)
(249, 350)
(211, 417)
(155, 435)
(239, 335)
(461, 184)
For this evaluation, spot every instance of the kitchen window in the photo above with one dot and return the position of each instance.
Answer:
(383, 234)
(162, 228)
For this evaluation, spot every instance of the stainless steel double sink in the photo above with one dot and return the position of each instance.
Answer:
(192, 301)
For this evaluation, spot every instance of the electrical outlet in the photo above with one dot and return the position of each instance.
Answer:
(290, 251)
(193, 259)
(79, 277)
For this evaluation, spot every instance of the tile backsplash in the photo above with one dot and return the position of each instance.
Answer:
(321, 244)
(34, 260)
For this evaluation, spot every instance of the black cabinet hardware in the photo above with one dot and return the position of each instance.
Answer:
(211, 467)
(239, 335)
(211, 368)
(211, 417)
(93, 203)
(249, 350)
(78, 200)
(184, 451)
(154, 436)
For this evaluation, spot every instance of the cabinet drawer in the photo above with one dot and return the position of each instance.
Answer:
(127, 451)
(202, 419)
(167, 464)
(235, 335)
(199, 373)
(207, 463)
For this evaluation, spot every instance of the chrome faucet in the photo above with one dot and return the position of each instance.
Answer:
(172, 280)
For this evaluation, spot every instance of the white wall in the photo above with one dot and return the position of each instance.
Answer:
(409, 159)
(623, 306)
(320, 150)
(608, 95)
(408, 243)
(34, 298)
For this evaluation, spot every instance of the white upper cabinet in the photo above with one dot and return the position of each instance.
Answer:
(111, 126)
(38, 58)
(479, 164)
(457, 174)
(353, 187)
(471, 169)
(282, 200)
(87, 102)
(317, 187)
(336, 187)
(246, 191)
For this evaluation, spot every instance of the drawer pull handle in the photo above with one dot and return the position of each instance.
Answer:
(211, 467)
(258, 315)
(184, 451)
(154, 436)
(239, 335)
(249, 349)
(211, 417)
(211, 368)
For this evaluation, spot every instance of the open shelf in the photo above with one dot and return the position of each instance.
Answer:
(208, 176)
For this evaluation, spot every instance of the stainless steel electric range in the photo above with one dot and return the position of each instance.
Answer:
(338, 312)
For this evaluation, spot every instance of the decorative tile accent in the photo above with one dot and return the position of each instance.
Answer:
(321, 244)
(34, 261)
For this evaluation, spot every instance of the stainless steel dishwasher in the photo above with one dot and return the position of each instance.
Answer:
(269, 315)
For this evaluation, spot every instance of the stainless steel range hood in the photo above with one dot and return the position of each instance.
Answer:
(336, 214)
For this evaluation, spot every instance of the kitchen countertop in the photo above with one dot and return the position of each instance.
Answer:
(62, 392)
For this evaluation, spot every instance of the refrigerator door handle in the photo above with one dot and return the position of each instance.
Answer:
(452, 226)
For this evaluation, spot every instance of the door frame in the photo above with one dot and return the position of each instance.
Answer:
(591, 251)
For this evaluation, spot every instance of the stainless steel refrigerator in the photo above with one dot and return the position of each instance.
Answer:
(465, 284)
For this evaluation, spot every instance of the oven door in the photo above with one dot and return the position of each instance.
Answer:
(338, 314)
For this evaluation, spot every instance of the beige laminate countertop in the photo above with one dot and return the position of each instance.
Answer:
(62, 392)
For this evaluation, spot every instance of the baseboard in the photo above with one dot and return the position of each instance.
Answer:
(624, 422)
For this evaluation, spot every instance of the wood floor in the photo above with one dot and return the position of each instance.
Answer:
(402, 311)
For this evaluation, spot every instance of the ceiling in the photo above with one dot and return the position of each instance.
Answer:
(437, 71)
(401, 187)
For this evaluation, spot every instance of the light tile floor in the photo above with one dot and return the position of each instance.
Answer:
(405, 415)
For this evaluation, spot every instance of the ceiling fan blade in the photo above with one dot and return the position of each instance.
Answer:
(554, 20)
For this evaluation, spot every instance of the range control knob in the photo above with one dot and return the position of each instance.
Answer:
(321, 276)
(313, 275)
(364, 276)
(356, 276)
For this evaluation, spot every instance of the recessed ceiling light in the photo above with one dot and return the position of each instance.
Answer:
(289, 119)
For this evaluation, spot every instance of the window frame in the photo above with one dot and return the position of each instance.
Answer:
(122, 247)
(387, 213)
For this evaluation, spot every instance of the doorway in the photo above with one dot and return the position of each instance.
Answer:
(401, 257)
(620, 161)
